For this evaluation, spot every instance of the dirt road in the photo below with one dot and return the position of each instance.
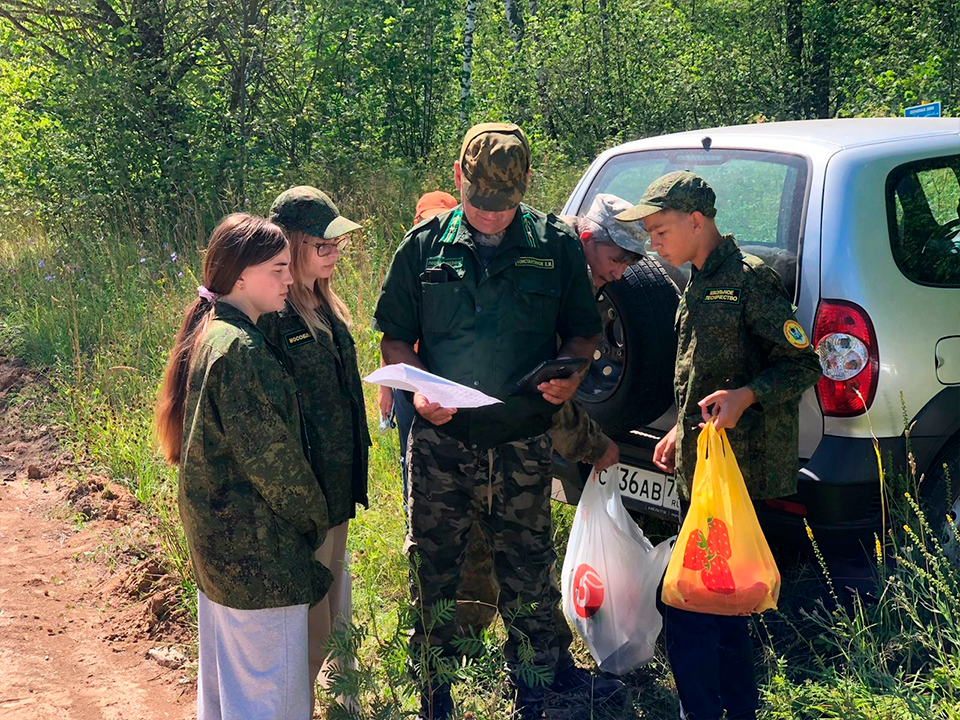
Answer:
(74, 641)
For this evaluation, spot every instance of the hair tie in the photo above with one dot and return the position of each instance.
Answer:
(208, 295)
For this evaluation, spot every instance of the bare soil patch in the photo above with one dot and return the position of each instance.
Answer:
(90, 627)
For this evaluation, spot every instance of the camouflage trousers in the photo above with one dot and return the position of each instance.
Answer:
(479, 589)
(505, 493)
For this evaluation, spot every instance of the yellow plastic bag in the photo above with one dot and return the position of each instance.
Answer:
(721, 563)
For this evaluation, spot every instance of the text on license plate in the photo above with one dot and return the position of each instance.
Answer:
(643, 485)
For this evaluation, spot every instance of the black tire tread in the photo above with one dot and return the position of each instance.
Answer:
(646, 299)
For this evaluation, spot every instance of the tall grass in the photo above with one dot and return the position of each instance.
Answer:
(96, 304)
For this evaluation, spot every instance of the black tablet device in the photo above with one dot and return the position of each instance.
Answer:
(548, 370)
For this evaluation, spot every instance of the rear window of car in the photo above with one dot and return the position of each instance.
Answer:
(923, 215)
(760, 195)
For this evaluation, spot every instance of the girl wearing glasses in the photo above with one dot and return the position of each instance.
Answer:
(313, 333)
(253, 515)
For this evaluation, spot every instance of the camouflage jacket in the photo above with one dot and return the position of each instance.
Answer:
(487, 327)
(251, 507)
(576, 436)
(331, 396)
(736, 327)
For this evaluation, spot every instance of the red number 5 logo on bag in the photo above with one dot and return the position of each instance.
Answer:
(587, 591)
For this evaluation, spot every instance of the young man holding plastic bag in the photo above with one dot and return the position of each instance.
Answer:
(743, 362)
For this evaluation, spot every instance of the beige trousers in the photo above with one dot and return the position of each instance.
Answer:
(334, 611)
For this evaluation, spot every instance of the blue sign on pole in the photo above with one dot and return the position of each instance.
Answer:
(925, 110)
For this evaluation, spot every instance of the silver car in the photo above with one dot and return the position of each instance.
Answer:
(860, 219)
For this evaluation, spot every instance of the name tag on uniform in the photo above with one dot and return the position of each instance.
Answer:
(538, 263)
(298, 338)
(437, 260)
(452, 265)
(730, 296)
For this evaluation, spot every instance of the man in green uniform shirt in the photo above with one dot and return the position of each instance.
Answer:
(609, 247)
(743, 360)
(486, 290)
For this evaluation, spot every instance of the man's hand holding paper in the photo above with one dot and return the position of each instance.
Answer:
(435, 397)
(431, 411)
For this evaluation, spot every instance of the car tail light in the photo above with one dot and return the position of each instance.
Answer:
(846, 342)
(787, 506)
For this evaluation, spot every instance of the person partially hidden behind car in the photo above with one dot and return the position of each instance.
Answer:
(743, 360)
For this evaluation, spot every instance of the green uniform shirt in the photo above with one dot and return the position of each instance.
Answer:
(334, 418)
(487, 327)
(736, 327)
(251, 507)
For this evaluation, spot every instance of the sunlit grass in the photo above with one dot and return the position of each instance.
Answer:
(96, 306)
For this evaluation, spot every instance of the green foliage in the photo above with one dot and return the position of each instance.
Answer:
(100, 322)
(104, 106)
(891, 656)
(129, 129)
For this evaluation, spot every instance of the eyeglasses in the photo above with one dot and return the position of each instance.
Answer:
(324, 249)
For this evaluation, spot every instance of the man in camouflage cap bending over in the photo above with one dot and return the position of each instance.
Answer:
(487, 289)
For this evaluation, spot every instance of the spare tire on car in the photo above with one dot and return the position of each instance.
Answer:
(630, 382)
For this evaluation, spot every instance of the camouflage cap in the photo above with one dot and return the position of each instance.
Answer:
(680, 190)
(494, 163)
(309, 210)
(629, 236)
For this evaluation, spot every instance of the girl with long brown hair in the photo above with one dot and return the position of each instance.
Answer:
(252, 511)
(313, 332)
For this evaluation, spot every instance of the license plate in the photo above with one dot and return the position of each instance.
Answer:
(644, 486)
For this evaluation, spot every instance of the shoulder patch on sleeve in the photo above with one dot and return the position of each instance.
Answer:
(795, 334)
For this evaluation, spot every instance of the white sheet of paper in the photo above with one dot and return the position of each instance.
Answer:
(435, 388)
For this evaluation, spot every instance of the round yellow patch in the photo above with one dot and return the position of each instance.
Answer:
(795, 334)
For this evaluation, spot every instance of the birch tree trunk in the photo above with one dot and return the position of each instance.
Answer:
(794, 90)
(540, 76)
(514, 22)
(466, 72)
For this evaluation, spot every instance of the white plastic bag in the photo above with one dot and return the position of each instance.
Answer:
(609, 581)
